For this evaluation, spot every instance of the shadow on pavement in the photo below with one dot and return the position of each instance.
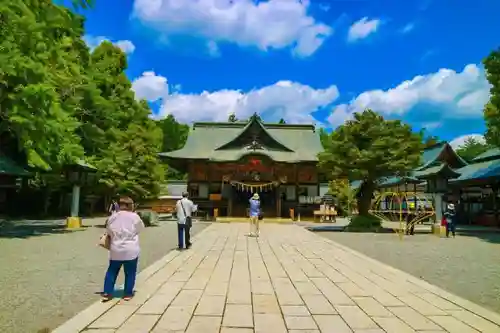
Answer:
(27, 229)
(490, 237)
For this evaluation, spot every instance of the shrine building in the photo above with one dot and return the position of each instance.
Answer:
(226, 163)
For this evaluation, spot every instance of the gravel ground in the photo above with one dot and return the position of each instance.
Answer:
(48, 275)
(468, 266)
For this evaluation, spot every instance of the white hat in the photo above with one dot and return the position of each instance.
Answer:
(451, 206)
(255, 196)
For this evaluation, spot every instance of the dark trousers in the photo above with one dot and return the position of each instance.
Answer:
(130, 270)
(450, 227)
(184, 232)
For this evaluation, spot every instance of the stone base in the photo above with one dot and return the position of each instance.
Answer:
(438, 230)
(73, 222)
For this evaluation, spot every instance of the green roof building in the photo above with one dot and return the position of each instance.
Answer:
(449, 179)
(227, 162)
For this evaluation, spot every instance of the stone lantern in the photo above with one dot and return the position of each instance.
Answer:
(78, 174)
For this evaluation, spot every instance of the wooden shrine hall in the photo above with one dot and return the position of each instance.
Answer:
(227, 162)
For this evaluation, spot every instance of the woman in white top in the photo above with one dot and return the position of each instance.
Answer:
(123, 229)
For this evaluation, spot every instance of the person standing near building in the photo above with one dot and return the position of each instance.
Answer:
(185, 209)
(123, 230)
(113, 207)
(451, 220)
(254, 215)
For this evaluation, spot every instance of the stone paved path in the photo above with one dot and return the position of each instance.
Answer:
(288, 280)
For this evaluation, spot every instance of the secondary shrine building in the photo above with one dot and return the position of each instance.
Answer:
(227, 162)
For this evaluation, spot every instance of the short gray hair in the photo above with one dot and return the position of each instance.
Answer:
(185, 194)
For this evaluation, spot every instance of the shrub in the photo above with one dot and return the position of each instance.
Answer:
(149, 217)
(361, 223)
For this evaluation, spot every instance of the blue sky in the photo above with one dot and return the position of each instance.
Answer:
(307, 61)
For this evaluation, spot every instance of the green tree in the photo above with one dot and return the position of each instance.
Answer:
(492, 108)
(232, 118)
(174, 137)
(282, 121)
(41, 78)
(369, 148)
(345, 195)
(471, 149)
(118, 134)
(323, 136)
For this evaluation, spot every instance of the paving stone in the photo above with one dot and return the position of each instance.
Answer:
(303, 331)
(424, 307)
(265, 304)
(385, 298)
(295, 310)
(115, 317)
(452, 324)
(306, 288)
(139, 323)
(393, 325)
(269, 322)
(413, 318)
(187, 298)
(333, 293)
(169, 286)
(263, 287)
(239, 294)
(352, 289)
(100, 330)
(475, 321)
(332, 324)
(216, 288)
(438, 301)
(204, 324)
(176, 318)
(318, 305)
(376, 330)
(158, 303)
(238, 315)
(372, 307)
(300, 323)
(211, 306)
(355, 317)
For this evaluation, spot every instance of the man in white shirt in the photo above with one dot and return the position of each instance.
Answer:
(185, 209)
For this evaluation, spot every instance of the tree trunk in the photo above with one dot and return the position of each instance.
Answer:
(365, 197)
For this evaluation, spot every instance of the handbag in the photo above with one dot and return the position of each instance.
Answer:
(189, 221)
(105, 241)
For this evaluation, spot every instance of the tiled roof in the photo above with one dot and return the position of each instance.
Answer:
(10, 168)
(205, 139)
(488, 155)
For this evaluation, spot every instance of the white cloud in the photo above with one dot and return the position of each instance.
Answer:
(271, 24)
(285, 99)
(362, 29)
(458, 142)
(457, 94)
(94, 41)
(151, 87)
(408, 28)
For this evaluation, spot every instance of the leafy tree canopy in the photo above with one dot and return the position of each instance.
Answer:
(492, 108)
(282, 121)
(174, 137)
(60, 103)
(232, 118)
(369, 148)
(471, 149)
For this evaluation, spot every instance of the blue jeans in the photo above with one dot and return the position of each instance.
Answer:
(183, 231)
(450, 227)
(130, 270)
